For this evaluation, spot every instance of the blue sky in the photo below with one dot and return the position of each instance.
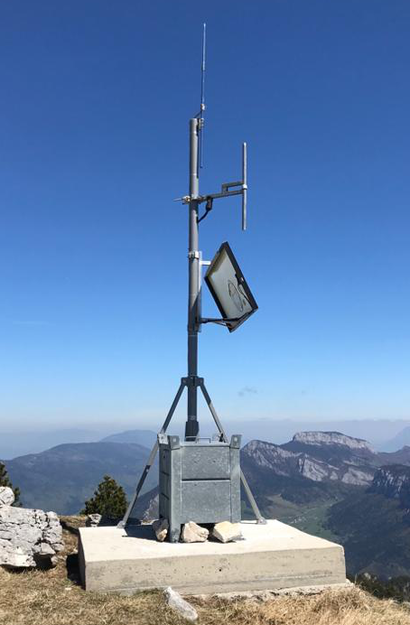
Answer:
(95, 103)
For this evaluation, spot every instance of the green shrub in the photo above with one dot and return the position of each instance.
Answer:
(109, 500)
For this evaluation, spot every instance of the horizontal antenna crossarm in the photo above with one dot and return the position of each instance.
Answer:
(216, 196)
(228, 185)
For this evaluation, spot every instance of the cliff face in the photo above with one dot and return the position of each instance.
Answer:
(333, 439)
(394, 483)
(317, 456)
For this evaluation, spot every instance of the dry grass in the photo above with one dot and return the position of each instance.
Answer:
(55, 598)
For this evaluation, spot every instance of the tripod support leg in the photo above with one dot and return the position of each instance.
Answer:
(151, 458)
(260, 519)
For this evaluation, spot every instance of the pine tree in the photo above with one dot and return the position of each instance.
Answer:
(5, 481)
(109, 500)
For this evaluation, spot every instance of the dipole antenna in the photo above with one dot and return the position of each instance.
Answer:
(201, 114)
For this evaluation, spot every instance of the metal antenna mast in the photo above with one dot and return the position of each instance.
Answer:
(195, 263)
(195, 130)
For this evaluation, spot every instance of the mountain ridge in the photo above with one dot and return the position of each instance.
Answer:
(63, 477)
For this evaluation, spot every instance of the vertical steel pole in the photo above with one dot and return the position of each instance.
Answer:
(192, 427)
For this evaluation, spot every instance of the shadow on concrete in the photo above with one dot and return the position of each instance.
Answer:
(140, 531)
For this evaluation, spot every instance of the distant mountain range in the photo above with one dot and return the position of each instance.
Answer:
(146, 438)
(62, 478)
(325, 483)
(282, 430)
(320, 457)
(397, 442)
(386, 435)
(21, 443)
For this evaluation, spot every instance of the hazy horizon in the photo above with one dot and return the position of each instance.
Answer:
(380, 432)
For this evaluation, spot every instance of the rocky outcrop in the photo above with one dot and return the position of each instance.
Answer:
(316, 470)
(271, 456)
(28, 538)
(343, 466)
(333, 438)
(394, 483)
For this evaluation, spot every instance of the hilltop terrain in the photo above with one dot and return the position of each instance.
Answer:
(56, 598)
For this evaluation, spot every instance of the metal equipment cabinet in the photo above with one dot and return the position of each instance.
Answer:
(198, 481)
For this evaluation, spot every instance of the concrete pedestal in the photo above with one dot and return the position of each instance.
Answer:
(272, 556)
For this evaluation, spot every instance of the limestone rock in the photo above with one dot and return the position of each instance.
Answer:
(28, 537)
(93, 520)
(177, 603)
(46, 550)
(160, 527)
(6, 496)
(334, 439)
(193, 533)
(226, 531)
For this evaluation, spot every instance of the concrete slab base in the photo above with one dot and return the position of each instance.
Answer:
(271, 556)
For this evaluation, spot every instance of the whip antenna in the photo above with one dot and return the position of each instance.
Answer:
(202, 106)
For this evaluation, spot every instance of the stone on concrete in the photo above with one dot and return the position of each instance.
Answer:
(271, 557)
(93, 520)
(193, 533)
(28, 537)
(6, 496)
(160, 527)
(177, 603)
(226, 531)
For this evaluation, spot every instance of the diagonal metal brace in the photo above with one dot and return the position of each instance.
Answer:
(150, 462)
(260, 519)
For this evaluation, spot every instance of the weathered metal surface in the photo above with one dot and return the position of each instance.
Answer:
(199, 481)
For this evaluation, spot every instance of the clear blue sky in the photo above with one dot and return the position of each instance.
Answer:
(96, 97)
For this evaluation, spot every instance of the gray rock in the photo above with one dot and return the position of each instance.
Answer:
(28, 536)
(160, 527)
(6, 496)
(93, 520)
(46, 550)
(177, 603)
(193, 533)
(226, 531)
